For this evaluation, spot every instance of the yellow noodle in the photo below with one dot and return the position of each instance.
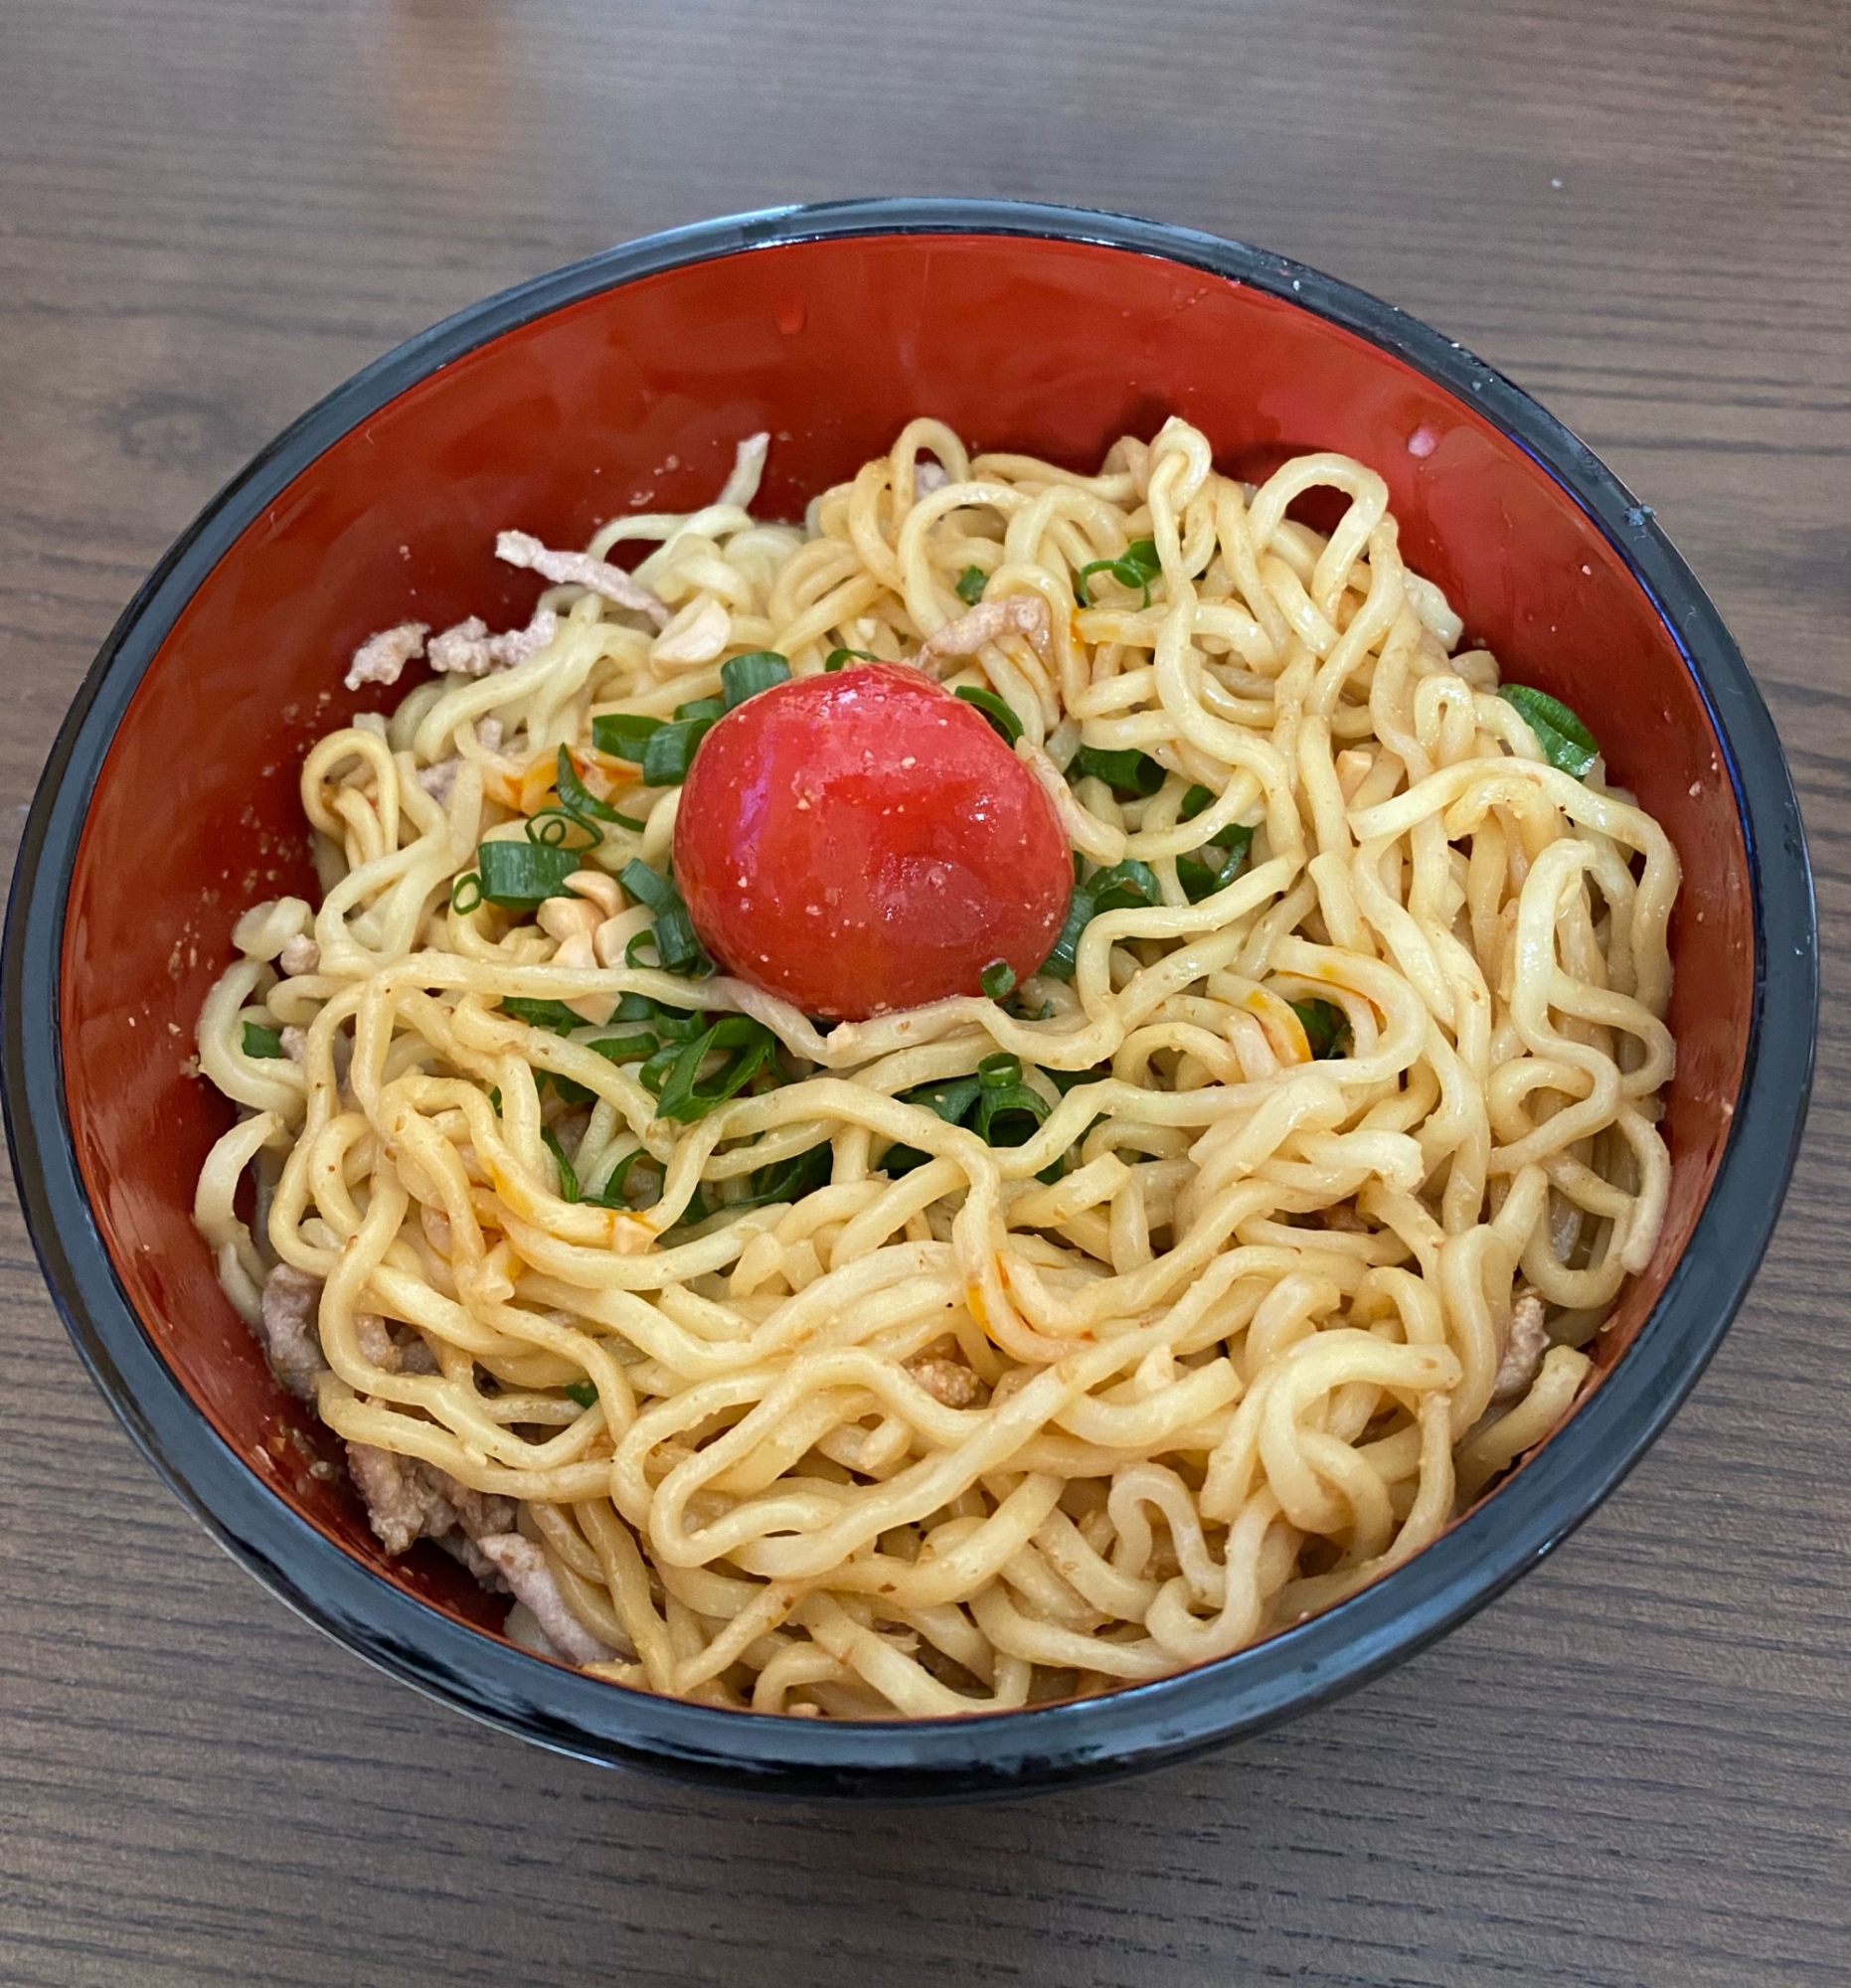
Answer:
(964, 1438)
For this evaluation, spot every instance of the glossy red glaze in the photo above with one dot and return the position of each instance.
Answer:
(636, 398)
(863, 842)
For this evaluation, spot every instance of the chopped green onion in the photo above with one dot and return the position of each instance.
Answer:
(1194, 801)
(581, 1391)
(552, 827)
(996, 710)
(575, 798)
(622, 1049)
(561, 1021)
(466, 894)
(567, 1180)
(263, 1042)
(622, 735)
(684, 1097)
(676, 1025)
(1061, 961)
(676, 947)
(648, 887)
(950, 1098)
(656, 1067)
(1065, 1080)
(995, 1105)
(1009, 1114)
(1127, 772)
(839, 659)
(1326, 1028)
(521, 876)
(970, 584)
(669, 751)
(1202, 880)
(700, 707)
(696, 965)
(997, 979)
(1567, 744)
(746, 676)
(1138, 565)
(786, 1180)
(610, 1195)
(553, 1015)
(1124, 885)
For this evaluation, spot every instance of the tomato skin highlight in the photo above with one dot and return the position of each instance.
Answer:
(863, 842)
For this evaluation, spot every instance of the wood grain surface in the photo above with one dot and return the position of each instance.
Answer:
(1634, 1769)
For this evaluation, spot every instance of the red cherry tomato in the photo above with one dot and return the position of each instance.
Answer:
(863, 841)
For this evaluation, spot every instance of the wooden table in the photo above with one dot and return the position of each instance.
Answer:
(1634, 1769)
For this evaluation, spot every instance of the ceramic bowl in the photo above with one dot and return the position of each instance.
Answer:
(170, 803)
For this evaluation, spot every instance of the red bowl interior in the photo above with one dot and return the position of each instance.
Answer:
(634, 399)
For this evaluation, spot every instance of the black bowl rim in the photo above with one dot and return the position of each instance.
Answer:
(994, 1753)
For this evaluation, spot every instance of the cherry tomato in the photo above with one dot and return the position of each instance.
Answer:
(863, 841)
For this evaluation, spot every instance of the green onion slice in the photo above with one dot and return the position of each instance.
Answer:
(581, 1391)
(669, 751)
(1202, 880)
(970, 584)
(519, 876)
(999, 1069)
(673, 1024)
(839, 659)
(997, 979)
(1061, 961)
(576, 798)
(746, 676)
(263, 1042)
(786, 1180)
(684, 1097)
(994, 1103)
(567, 1180)
(553, 1015)
(1127, 772)
(622, 735)
(1124, 885)
(995, 709)
(1567, 744)
(622, 1049)
(1008, 1114)
(552, 828)
(1136, 566)
(1326, 1028)
(610, 1195)
(951, 1098)
(676, 947)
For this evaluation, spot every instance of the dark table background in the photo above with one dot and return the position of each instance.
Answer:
(1634, 1769)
